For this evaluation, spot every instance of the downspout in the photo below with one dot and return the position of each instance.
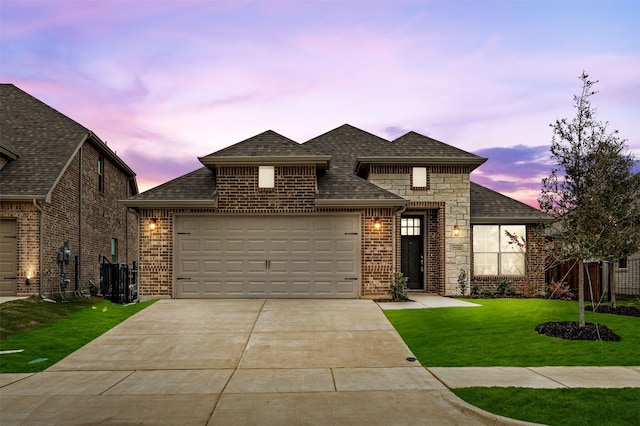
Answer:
(77, 286)
(41, 264)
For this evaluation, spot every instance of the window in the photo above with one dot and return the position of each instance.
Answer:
(622, 263)
(266, 177)
(114, 250)
(410, 226)
(494, 253)
(101, 174)
(419, 177)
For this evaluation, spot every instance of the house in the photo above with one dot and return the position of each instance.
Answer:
(59, 183)
(333, 217)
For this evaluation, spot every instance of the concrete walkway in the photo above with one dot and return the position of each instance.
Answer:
(240, 362)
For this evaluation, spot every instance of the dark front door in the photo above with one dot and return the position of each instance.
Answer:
(412, 254)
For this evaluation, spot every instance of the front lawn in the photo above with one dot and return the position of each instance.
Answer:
(53, 331)
(501, 333)
(556, 407)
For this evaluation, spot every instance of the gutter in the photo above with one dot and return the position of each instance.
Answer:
(41, 265)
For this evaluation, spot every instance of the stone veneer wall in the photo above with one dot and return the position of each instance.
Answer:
(448, 185)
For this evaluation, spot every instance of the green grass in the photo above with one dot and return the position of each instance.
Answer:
(559, 407)
(501, 333)
(49, 332)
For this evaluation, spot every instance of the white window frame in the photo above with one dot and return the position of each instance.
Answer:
(266, 177)
(419, 177)
(496, 256)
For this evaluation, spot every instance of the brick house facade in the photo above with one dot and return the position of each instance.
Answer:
(59, 183)
(346, 201)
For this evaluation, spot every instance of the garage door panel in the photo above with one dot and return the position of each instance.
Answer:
(268, 256)
(212, 246)
(235, 246)
(280, 246)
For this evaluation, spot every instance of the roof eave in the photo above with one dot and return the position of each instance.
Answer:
(320, 161)
(361, 203)
(421, 161)
(21, 198)
(170, 203)
(511, 220)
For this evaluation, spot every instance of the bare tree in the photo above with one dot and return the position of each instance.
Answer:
(591, 191)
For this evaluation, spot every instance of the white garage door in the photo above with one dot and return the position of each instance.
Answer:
(267, 256)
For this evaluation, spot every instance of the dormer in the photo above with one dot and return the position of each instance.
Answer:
(267, 172)
(407, 166)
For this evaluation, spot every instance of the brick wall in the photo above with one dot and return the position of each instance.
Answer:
(28, 244)
(377, 253)
(449, 186)
(157, 251)
(294, 191)
(78, 213)
(535, 267)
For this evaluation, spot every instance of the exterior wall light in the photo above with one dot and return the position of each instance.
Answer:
(456, 231)
(153, 224)
(377, 225)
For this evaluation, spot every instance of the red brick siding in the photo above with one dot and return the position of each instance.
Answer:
(294, 191)
(535, 261)
(78, 213)
(156, 253)
(27, 229)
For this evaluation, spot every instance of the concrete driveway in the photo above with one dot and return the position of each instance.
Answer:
(199, 362)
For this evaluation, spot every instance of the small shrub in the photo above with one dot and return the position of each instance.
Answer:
(505, 288)
(529, 289)
(398, 290)
(462, 281)
(559, 290)
(478, 290)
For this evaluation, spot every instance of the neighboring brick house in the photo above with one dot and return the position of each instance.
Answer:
(334, 217)
(58, 182)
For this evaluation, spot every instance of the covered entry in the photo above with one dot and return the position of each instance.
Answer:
(271, 256)
(421, 253)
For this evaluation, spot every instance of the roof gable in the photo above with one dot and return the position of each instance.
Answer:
(42, 142)
(267, 147)
(418, 150)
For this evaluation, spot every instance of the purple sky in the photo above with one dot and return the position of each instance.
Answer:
(166, 81)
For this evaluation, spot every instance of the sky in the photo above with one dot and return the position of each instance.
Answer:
(166, 81)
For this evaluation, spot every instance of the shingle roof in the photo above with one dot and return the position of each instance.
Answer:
(416, 149)
(488, 206)
(268, 146)
(345, 144)
(43, 141)
(195, 188)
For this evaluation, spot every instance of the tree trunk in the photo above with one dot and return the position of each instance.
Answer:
(581, 291)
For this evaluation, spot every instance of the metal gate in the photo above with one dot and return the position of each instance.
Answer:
(118, 282)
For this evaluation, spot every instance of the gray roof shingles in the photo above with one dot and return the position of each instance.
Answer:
(488, 205)
(344, 144)
(42, 139)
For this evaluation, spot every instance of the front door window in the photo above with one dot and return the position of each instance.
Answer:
(412, 241)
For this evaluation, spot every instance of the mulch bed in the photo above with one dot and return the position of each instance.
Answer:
(630, 311)
(572, 331)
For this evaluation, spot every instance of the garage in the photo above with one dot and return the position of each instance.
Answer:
(270, 256)
(8, 257)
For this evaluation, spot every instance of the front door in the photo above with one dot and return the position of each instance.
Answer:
(412, 254)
